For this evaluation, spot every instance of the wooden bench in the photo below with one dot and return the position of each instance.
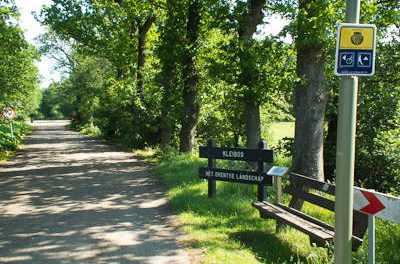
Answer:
(319, 232)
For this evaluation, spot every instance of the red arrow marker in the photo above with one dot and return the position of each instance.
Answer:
(374, 205)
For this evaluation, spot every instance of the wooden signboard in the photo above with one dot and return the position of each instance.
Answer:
(213, 174)
(264, 155)
(248, 177)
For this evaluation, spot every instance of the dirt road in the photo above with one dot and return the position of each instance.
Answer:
(66, 198)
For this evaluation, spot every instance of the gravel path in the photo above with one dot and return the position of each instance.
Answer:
(66, 198)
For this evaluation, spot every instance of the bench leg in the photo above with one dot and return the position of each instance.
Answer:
(263, 215)
(318, 243)
(279, 226)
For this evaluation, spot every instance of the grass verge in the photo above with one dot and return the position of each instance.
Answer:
(227, 229)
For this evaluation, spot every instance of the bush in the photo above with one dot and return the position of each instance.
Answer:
(7, 142)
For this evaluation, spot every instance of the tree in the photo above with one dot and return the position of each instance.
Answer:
(252, 16)
(18, 78)
(244, 72)
(168, 79)
(54, 104)
(86, 82)
(312, 30)
(116, 33)
(190, 76)
(378, 126)
(113, 30)
(19, 75)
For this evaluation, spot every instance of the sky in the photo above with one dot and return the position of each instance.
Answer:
(32, 29)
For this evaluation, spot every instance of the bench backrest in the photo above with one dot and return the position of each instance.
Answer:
(299, 188)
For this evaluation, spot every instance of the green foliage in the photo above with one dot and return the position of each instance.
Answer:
(90, 130)
(101, 90)
(18, 78)
(10, 143)
(378, 134)
(98, 43)
(54, 103)
(377, 109)
(387, 237)
(222, 116)
(19, 75)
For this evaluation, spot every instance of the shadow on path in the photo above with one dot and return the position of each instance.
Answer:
(66, 198)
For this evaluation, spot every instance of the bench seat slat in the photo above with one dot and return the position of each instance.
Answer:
(317, 232)
(306, 217)
(357, 241)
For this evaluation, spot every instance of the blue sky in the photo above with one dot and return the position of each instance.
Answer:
(31, 30)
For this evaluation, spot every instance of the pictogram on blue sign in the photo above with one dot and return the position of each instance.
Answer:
(364, 59)
(346, 59)
(355, 62)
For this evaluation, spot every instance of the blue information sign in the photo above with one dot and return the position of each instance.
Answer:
(355, 53)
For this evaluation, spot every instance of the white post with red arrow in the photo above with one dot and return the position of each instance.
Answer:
(377, 204)
(384, 206)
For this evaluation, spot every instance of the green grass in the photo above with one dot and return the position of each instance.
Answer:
(277, 131)
(228, 229)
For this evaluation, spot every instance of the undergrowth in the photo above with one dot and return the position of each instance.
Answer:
(228, 230)
(9, 143)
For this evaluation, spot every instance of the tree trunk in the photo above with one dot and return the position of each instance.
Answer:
(252, 125)
(168, 78)
(310, 105)
(142, 34)
(248, 75)
(330, 146)
(191, 106)
(310, 95)
(165, 125)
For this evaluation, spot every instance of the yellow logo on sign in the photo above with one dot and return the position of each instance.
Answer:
(358, 38)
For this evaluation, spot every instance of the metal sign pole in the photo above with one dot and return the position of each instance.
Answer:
(345, 169)
(371, 239)
(345, 155)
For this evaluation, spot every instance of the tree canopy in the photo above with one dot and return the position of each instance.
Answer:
(19, 75)
(19, 82)
(178, 73)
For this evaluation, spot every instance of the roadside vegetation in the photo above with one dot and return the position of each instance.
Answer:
(174, 74)
(228, 229)
(9, 144)
(169, 75)
(19, 83)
